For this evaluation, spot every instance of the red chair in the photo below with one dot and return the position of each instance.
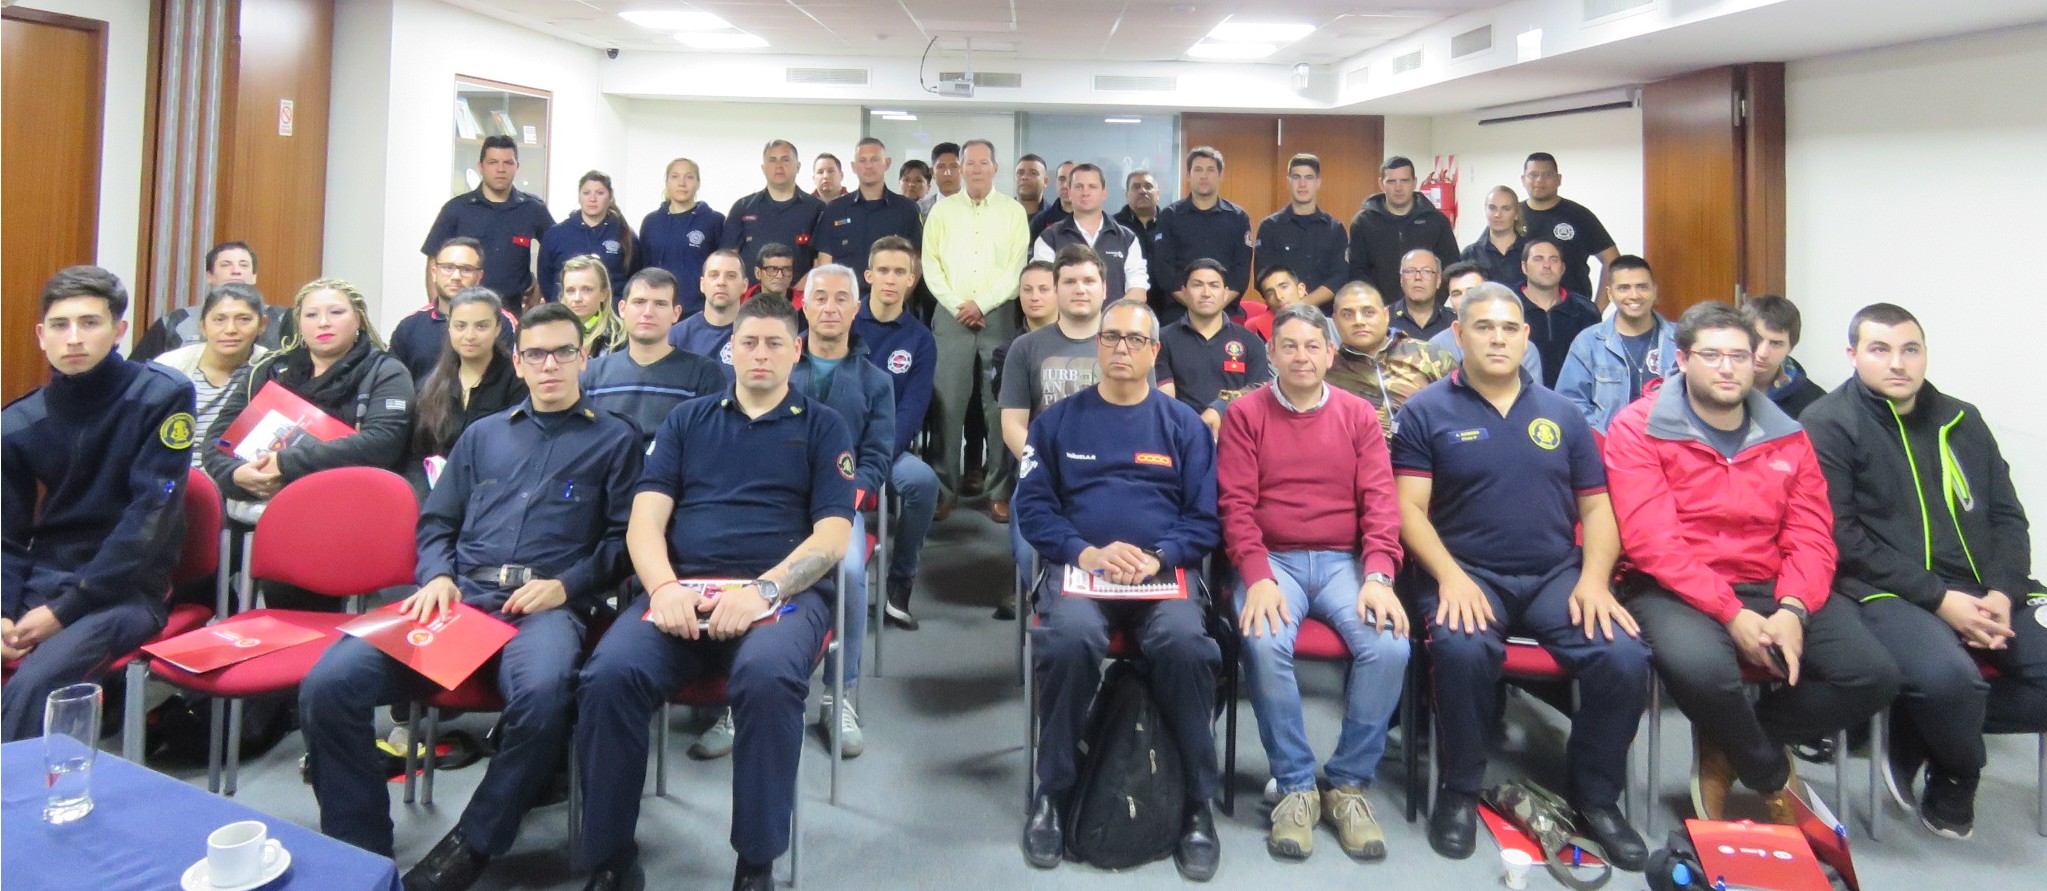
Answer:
(347, 532)
(201, 556)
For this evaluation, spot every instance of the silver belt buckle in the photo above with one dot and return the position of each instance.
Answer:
(510, 576)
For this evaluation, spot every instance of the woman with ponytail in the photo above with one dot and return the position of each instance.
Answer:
(680, 233)
(595, 227)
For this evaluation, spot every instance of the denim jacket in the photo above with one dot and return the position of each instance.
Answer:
(1595, 374)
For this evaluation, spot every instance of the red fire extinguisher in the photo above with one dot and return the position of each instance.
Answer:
(1446, 187)
(1432, 185)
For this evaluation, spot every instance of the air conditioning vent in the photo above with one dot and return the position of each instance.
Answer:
(1476, 40)
(1407, 62)
(1008, 80)
(1135, 83)
(1599, 9)
(838, 77)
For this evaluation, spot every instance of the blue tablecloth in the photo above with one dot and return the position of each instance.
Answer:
(145, 830)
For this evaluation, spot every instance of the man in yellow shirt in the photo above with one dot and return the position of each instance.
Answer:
(975, 243)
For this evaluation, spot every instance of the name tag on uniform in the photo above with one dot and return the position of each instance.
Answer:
(1233, 366)
(1473, 435)
(1154, 458)
(522, 241)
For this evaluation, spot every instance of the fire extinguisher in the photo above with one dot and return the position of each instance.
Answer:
(1432, 186)
(1446, 191)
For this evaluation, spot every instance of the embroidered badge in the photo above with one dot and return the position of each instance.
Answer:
(176, 431)
(1545, 433)
(1154, 458)
(899, 362)
(846, 464)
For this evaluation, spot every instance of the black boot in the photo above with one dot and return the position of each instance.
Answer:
(1199, 850)
(1453, 825)
(621, 873)
(1044, 840)
(753, 878)
(451, 866)
(1624, 847)
(897, 611)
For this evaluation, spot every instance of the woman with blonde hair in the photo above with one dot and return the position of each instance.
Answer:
(1498, 251)
(596, 228)
(338, 364)
(586, 291)
(679, 234)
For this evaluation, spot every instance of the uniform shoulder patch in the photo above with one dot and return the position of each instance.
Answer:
(846, 464)
(1154, 458)
(1545, 433)
(176, 431)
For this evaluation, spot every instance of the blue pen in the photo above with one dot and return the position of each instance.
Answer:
(569, 490)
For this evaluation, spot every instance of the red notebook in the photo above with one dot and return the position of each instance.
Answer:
(447, 650)
(276, 419)
(1757, 855)
(235, 640)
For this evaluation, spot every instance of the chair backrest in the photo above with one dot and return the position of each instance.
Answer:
(340, 532)
(200, 554)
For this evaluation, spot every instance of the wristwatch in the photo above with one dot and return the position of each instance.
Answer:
(1159, 554)
(1379, 577)
(770, 591)
(1795, 607)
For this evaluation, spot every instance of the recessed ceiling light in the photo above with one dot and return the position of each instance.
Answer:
(1231, 51)
(1122, 120)
(899, 117)
(721, 40)
(1260, 32)
(885, 112)
(675, 20)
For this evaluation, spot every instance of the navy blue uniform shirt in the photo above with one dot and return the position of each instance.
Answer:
(679, 242)
(906, 350)
(748, 490)
(110, 449)
(1095, 473)
(1315, 246)
(573, 238)
(713, 342)
(1578, 231)
(758, 220)
(507, 231)
(419, 339)
(1505, 490)
(1208, 372)
(1221, 233)
(645, 394)
(552, 491)
(851, 224)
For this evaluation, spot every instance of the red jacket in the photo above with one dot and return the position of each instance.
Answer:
(1699, 523)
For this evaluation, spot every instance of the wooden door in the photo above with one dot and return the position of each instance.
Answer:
(1713, 184)
(273, 179)
(1250, 147)
(54, 84)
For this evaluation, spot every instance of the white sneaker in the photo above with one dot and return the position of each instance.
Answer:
(853, 742)
(716, 742)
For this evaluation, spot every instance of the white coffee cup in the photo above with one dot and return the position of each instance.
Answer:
(236, 853)
(1516, 863)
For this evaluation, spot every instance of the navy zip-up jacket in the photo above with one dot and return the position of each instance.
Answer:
(863, 397)
(572, 238)
(906, 349)
(679, 243)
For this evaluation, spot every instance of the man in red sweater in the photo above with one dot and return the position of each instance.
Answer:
(1724, 511)
(1306, 495)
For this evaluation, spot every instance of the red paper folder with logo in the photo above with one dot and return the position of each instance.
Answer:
(277, 418)
(447, 650)
(235, 640)
(1757, 855)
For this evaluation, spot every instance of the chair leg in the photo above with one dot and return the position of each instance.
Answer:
(796, 833)
(1841, 783)
(575, 800)
(1655, 756)
(433, 744)
(2040, 786)
(216, 743)
(876, 612)
(1023, 627)
(839, 681)
(1030, 753)
(234, 747)
(221, 575)
(410, 757)
(661, 751)
(1879, 756)
(248, 592)
(131, 710)
(1230, 733)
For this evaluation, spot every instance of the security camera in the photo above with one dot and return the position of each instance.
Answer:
(1300, 76)
(611, 53)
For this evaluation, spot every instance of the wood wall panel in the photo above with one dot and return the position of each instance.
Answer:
(1763, 178)
(273, 188)
(1692, 182)
(1249, 144)
(55, 88)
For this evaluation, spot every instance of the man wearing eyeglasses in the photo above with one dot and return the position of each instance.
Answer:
(1496, 475)
(420, 337)
(1119, 480)
(527, 523)
(1723, 511)
(774, 274)
(1420, 313)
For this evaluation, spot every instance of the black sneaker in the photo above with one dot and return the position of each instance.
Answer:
(621, 873)
(1907, 763)
(1006, 610)
(897, 610)
(451, 866)
(1948, 807)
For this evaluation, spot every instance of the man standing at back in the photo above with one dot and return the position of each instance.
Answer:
(1575, 228)
(1054, 211)
(505, 222)
(945, 176)
(1304, 237)
(1121, 252)
(856, 220)
(1202, 225)
(228, 261)
(781, 213)
(974, 247)
(1393, 222)
(1030, 183)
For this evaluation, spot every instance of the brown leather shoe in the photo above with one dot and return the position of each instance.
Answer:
(1712, 777)
(998, 510)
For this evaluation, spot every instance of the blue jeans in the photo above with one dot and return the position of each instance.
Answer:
(916, 489)
(1323, 585)
(856, 605)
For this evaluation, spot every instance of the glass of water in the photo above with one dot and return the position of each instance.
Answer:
(71, 732)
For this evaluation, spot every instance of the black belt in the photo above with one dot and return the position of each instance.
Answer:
(504, 576)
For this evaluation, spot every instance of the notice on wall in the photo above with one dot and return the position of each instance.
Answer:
(531, 134)
(284, 117)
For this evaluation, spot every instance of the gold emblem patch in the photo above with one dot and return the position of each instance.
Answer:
(1545, 433)
(176, 431)
(846, 464)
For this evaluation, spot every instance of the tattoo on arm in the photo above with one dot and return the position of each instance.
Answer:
(804, 568)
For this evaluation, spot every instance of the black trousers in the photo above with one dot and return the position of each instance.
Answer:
(1844, 677)
(1944, 702)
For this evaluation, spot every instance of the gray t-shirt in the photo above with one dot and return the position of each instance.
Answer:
(1726, 442)
(1046, 366)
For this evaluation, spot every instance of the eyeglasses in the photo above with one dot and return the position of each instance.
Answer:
(777, 270)
(457, 269)
(1717, 358)
(562, 355)
(1135, 342)
(1417, 271)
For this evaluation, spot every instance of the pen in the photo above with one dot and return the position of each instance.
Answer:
(569, 490)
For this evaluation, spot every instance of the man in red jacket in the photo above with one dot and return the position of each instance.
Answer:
(1724, 512)
(1312, 525)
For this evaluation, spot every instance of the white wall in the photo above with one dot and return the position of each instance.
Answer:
(1910, 173)
(121, 136)
(1599, 154)
(725, 139)
(429, 43)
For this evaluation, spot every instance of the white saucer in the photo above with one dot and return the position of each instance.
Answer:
(196, 878)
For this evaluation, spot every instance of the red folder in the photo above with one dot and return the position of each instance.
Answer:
(447, 650)
(1757, 855)
(235, 640)
(276, 419)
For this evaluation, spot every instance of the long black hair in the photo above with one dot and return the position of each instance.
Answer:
(439, 415)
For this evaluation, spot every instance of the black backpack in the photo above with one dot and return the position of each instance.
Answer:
(1127, 808)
